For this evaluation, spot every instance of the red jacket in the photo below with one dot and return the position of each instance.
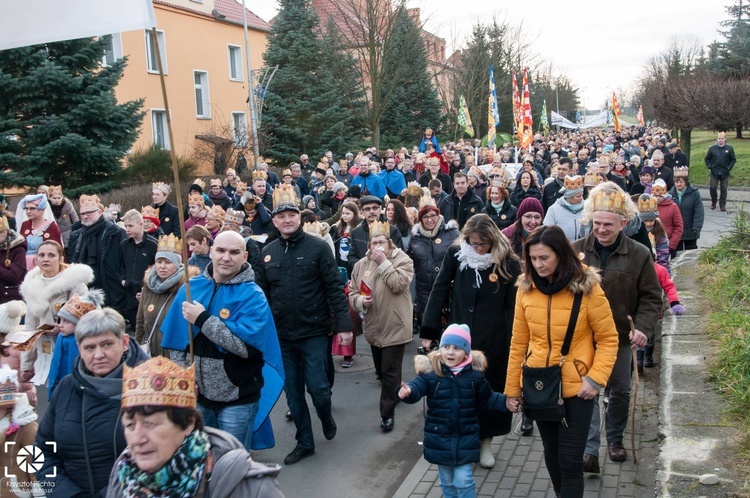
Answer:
(671, 218)
(666, 284)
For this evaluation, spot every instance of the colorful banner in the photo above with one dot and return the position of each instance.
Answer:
(527, 135)
(615, 112)
(639, 116)
(493, 116)
(464, 119)
(517, 110)
(543, 119)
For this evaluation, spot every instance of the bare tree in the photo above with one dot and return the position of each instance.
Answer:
(223, 146)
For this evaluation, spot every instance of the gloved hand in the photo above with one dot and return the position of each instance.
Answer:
(678, 309)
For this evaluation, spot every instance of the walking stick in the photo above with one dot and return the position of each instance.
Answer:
(635, 394)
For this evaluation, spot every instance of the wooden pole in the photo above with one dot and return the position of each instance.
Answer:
(176, 173)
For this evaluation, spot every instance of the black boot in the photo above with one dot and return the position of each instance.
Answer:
(640, 360)
(527, 426)
(648, 357)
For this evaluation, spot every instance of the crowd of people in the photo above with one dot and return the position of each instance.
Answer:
(536, 257)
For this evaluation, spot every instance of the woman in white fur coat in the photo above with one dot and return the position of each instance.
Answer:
(45, 289)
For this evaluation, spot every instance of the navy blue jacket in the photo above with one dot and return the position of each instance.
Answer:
(451, 426)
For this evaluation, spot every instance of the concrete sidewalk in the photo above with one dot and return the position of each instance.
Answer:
(679, 431)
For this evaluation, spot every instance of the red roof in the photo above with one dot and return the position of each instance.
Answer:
(230, 9)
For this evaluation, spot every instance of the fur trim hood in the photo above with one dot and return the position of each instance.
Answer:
(590, 279)
(442, 225)
(38, 293)
(431, 363)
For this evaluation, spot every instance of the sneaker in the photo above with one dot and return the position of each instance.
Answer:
(298, 454)
(347, 363)
(386, 424)
(329, 428)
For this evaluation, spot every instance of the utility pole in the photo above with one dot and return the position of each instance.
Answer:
(250, 93)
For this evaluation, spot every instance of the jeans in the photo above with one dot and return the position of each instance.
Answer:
(306, 363)
(619, 402)
(388, 363)
(723, 185)
(564, 446)
(457, 482)
(237, 420)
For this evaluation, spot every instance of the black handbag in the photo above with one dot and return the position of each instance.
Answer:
(542, 387)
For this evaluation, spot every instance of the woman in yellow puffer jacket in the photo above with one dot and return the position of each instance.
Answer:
(553, 275)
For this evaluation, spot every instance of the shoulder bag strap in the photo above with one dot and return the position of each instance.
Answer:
(571, 325)
(153, 327)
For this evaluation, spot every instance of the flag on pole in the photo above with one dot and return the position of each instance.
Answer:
(615, 112)
(528, 122)
(545, 122)
(639, 116)
(33, 22)
(578, 116)
(464, 119)
(517, 109)
(493, 116)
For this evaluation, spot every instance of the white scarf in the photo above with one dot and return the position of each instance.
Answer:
(468, 257)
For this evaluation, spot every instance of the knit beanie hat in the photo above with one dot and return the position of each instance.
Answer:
(530, 205)
(457, 335)
(305, 200)
(10, 315)
(338, 186)
(77, 306)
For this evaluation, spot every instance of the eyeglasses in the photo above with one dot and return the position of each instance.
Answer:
(430, 216)
(371, 208)
(88, 213)
(483, 245)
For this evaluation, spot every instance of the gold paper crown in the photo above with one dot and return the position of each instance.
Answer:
(679, 172)
(380, 228)
(659, 188)
(77, 307)
(260, 174)
(573, 182)
(286, 172)
(215, 182)
(149, 212)
(8, 390)
(614, 202)
(414, 190)
(88, 201)
(647, 204)
(55, 190)
(200, 183)
(284, 195)
(217, 212)
(196, 199)
(231, 170)
(592, 179)
(169, 243)
(116, 208)
(314, 228)
(426, 200)
(232, 216)
(4, 227)
(248, 202)
(162, 186)
(604, 160)
(240, 184)
(158, 382)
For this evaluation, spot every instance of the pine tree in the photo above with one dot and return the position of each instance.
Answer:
(59, 118)
(416, 105)
(304, 112)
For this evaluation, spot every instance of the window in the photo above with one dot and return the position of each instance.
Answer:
(113, 49)
(235, 63)
(202, 100)
(159, 127)
(239, 128)
(151, 63)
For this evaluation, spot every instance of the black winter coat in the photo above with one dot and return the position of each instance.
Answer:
(487, 310)
(169, 218)
(505, 217)
(550, 194)
(86, 426)
(135, 259)
(301, 280)
(454, 404)
(519, 194)
(691, 208)
(469, 206)
(428, 255)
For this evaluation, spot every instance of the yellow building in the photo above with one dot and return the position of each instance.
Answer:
(203, 53)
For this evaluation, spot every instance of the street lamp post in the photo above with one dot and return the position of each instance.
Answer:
(250, 95)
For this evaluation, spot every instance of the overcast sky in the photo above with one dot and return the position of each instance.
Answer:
(601, 46)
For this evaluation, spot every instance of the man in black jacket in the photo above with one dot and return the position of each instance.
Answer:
(551, 191)
(97, 244)
(300, 278)
(675, 158)
(462, 203)
(137, 253)
(720, 160)
(370, 210)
